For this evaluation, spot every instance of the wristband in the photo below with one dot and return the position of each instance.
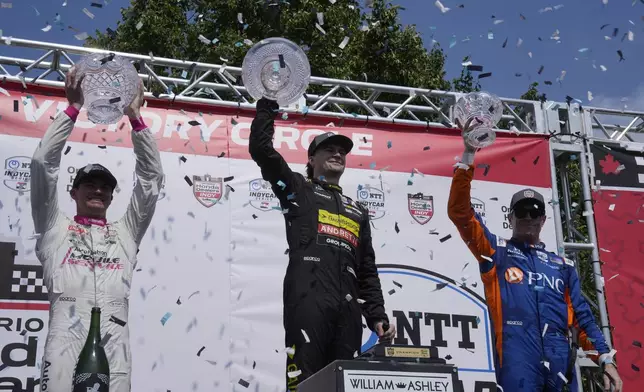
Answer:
(72, 113)
(137, 124)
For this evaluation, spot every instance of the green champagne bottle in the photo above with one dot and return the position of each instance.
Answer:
(92, 372)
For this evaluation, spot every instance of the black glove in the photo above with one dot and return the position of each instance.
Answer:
(267, 105)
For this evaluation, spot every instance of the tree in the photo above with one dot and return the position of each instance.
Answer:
(380, 49)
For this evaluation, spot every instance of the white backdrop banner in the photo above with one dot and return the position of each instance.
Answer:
(214, 268)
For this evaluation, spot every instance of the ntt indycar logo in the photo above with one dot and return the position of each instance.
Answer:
(261, 195)
(450, 317)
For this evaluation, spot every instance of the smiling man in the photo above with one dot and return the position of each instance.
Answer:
(533, 295)
(331, 277)
(88, 262)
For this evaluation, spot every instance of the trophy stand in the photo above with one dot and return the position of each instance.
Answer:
(388, 368)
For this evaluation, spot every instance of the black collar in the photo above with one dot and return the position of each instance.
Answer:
(326, 185)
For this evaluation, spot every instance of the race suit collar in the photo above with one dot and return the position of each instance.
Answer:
(87, 221)
(526, 245)
(326, 185)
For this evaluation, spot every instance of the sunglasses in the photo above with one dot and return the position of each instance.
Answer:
(522, 213)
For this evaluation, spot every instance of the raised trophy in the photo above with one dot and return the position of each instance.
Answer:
(109, 86)
(276, 69)
(484, 110)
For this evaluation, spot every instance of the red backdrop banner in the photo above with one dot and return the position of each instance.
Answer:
(619, 216)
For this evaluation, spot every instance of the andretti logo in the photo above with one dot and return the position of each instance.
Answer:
(262, 196)
(17, 173)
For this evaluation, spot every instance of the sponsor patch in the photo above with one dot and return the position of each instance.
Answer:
(501, 242)
(261, 195)
(514, 275)
(339, 221)
(569, 262)
(542, 256)
(373, 199)
(556, 259)
(338, 232)
(17, 173)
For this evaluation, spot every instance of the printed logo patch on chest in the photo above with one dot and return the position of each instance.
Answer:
(337, 230)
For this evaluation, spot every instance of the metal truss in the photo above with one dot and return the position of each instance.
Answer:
(571, 126)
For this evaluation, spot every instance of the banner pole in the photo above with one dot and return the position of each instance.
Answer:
(555, 202)
(592, 236)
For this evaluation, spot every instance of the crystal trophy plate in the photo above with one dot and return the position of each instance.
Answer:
(109, 86)
(485, 111)
(276, 69)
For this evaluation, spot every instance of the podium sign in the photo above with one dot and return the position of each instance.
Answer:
(369, 376)
(374, 380)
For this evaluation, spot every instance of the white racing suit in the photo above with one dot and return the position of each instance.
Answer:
(68, 249)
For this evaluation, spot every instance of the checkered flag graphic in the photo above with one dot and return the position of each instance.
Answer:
(28, 282)
(19, 282)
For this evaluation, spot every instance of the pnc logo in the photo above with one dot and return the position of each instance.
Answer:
(514, 275)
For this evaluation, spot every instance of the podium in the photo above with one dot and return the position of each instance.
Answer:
(367, 376)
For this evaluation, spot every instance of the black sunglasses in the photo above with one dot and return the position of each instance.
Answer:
(534, 213)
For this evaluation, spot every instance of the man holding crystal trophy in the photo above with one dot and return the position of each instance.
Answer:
(530, 318)
(87, 261)
(331, 279)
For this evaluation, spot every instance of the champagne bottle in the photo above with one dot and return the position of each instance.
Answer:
(92, 372)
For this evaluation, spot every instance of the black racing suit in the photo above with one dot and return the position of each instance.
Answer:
(331, 276)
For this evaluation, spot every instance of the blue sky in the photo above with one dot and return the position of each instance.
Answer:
(578, 22)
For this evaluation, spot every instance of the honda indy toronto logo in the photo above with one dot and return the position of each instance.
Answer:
(17, 173)
(373, 199)
(421, 207)
(207, 190)
(449, 316)
(262, 196)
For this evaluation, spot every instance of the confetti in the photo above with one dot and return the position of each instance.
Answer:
(396, 227)
(243, 383)
(306, 337)
(165, 318)
(441, 7)
(118, 321)
(139, 25)
(83, 37)
(294, 374)
(344, 43)
(105, 339)
(440, 286)
(188, 180)
(392, 291)
(447, 237)
(88, 13)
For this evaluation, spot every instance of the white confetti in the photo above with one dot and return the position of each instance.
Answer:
(561, 376)
(530, 54)
(240, 18)
(46, 28)
(613, 277)
(344, 43)
(360, 301)
(294, 374)
(441, 7)
(603, 68)
(487, 258)
(289, 351)
(590, 96)
(611, 207)
(631, 35)
(81, 36)
(139, 25)
(519, 42)
(248, 42)
(317, 26)
(203, 39)
(306, 337)
(545, 328)
(587, 213)
(4, 92)
(89, 14)
(546, 364)
(348, 297)
(320, 18)
(498, 21)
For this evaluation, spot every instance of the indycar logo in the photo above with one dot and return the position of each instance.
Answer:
(373, 199)
(421, 207)
(514, 275)
(17, 173)
(207, 190)
(262, 196)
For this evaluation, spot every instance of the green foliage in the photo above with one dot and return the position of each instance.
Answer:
(466, 83)
(380, 49)
(533, 93)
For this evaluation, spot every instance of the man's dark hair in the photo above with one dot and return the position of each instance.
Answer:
(309, 171)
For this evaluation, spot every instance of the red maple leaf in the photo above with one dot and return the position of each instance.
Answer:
(609, 165)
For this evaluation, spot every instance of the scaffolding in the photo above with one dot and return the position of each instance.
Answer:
(572, 128)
